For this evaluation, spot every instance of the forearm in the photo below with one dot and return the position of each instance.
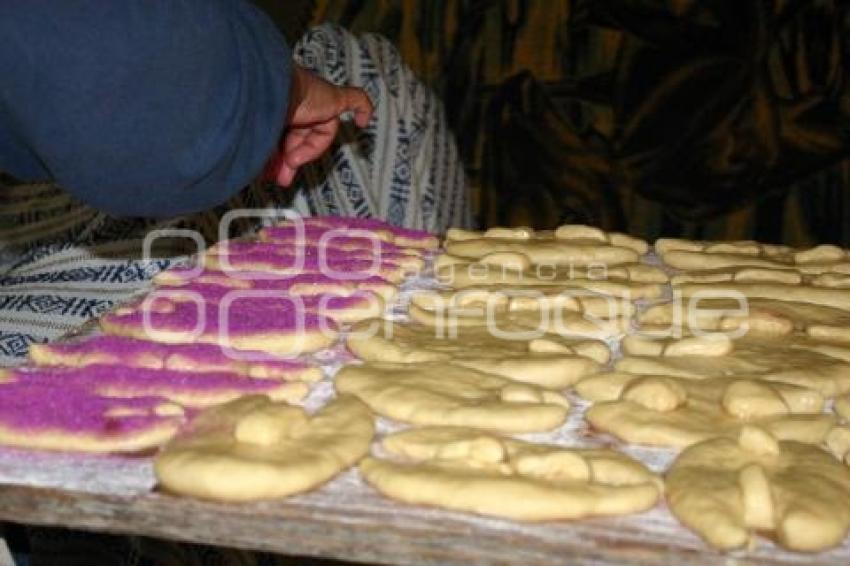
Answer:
(141, 108)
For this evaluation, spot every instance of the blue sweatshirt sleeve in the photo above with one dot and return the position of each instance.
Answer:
(141, 107)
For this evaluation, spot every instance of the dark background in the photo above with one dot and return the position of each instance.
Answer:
(714, 119)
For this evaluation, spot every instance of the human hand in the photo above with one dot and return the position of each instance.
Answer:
(313, 120)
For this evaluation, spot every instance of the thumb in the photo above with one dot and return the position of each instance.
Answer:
(356, 100)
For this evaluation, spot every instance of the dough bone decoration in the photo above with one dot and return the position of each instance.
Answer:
(751, 404)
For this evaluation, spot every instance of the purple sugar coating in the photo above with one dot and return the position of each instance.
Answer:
(126, 348)
(189, 291)
(352, 248)
(269, 301)
(252, 317)
(309, 249)
(287, 235)
(261, 280)
(338, 302)
(366, 224)
(341, 266)
(49, 404)
(311, 279)
(262, 249)
(312, 233)
(312, 256)
(140, 380)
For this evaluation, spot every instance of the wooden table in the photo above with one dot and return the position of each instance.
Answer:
(346, 520)
(358, 525)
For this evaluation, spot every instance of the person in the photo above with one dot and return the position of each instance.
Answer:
(158, 108)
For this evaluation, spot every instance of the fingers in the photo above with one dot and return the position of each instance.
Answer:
(278, 171)
(315, 106)
(356, 100)
(285, 175)
(305, 145)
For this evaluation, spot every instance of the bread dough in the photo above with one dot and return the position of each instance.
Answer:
(548, 252)
(344, 240)
(732, 256)
(768, 360)
(709, 345)
(342, 266)
(558, 309)
(562, 279)
(405, 237)
(548, 361)
(294, 284)
(822, 254)
(413, 343)
(742, 275)
(191, 389)
(563, 322)
(827, 376)
(829, 332)
(499, 232)
(740, 397)
(254, 448)
(699, 261)
(343, 308)
(267, 326)
(443, 393)
(507, 310)
(460, 234)
(573, 233)
(117, 350)
(761, 316)
(664, 246)
(728, 489)
(473, 471)
(834, 280)
(668, 411)
(834, 298)
(580, 232)
(518, 262)
(525, 299)
(838, 442)
(291, 253)
(47, 414)
(842, 407)
(808, 344)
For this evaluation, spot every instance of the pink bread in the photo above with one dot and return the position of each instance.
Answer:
(275, 328)
(221, 302)
(190, 389)
(298, 284)
(48, 414)
(340, 268)
(399, 236)
(316, 255)
(118, 350)
(343, 239)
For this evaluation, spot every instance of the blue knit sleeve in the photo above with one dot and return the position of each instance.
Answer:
(140, 107)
